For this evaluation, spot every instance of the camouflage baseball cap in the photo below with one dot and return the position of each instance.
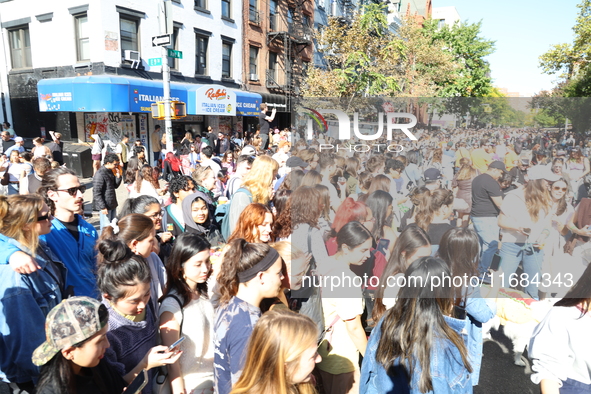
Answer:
(72, 321)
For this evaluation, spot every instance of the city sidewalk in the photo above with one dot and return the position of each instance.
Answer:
(93, 217)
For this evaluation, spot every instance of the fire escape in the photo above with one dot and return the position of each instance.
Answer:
(288, 35)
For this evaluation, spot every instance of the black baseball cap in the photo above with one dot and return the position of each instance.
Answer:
(499, 165)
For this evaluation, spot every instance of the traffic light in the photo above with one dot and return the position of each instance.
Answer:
(156, 114)
(178, 110)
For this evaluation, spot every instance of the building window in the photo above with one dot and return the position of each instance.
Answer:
(273, 66)
(226, 10)
(226, 60)
(201, 55)
(20, 48)
(82, 38)
(252, 63)
(201, 4)
(253, 14)
(273, 6)
(173, 62)
(290, 12)
(129, 34)
(306, 20)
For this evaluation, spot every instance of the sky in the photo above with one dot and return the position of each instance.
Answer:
(523, 30)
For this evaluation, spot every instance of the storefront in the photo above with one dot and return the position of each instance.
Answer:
(281, 104)
(114, 106)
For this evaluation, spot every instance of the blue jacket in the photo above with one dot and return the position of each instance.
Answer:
(479, 311)
(448, 373)
(78, 257)
(25, 301)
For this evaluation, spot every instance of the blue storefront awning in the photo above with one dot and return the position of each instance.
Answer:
(106, 93)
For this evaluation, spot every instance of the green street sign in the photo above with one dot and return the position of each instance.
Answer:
(157, 61)
(175, 54)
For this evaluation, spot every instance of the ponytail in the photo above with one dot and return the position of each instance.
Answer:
(239, 257)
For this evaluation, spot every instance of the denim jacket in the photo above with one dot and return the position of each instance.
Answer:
(79, 256)
(25, 301)
(448, 373)
(479, 311)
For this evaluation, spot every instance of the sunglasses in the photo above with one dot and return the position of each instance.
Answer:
(73, 190)
(47, 216)
(557, 188)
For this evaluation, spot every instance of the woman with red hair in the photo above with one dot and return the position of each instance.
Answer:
(254, 225)
(171, 167)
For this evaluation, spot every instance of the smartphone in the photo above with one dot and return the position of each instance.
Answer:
(138, 383)
(171, 347)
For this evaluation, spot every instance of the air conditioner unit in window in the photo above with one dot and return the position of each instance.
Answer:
(254, 77)
(132, 56)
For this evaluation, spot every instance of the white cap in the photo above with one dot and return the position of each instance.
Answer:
(248, 150)
(542, 172)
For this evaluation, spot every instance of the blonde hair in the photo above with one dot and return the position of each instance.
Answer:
(18, 211)
(260, 178)
(275, 347)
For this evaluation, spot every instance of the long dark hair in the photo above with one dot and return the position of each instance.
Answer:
(412, 238)
(412, 328)
(185, 247)
(352, 234)
(460, 249)
(140, 204)
(378, 202)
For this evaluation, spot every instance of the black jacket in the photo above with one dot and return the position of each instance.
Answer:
(104, 185)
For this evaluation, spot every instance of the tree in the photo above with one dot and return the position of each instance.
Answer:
(469, 50)
(364, 58)
(572, 61)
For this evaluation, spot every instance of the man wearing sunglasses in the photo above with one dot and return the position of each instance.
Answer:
(71, 238)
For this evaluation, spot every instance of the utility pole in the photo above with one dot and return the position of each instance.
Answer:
(166, 28)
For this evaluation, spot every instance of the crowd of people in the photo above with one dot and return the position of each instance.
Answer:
(289, 266)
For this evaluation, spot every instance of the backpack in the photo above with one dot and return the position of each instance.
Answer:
(222, 214)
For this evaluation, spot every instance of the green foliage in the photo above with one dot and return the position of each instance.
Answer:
(468, 49)
(572, 61)
(365, 58)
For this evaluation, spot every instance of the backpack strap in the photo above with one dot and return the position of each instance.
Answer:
(245, 191)
(170, 215)
(180, 304)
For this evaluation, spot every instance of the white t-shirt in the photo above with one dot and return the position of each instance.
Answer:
(514, 207)
(210, 163)
(560, 347)
(196, 361)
